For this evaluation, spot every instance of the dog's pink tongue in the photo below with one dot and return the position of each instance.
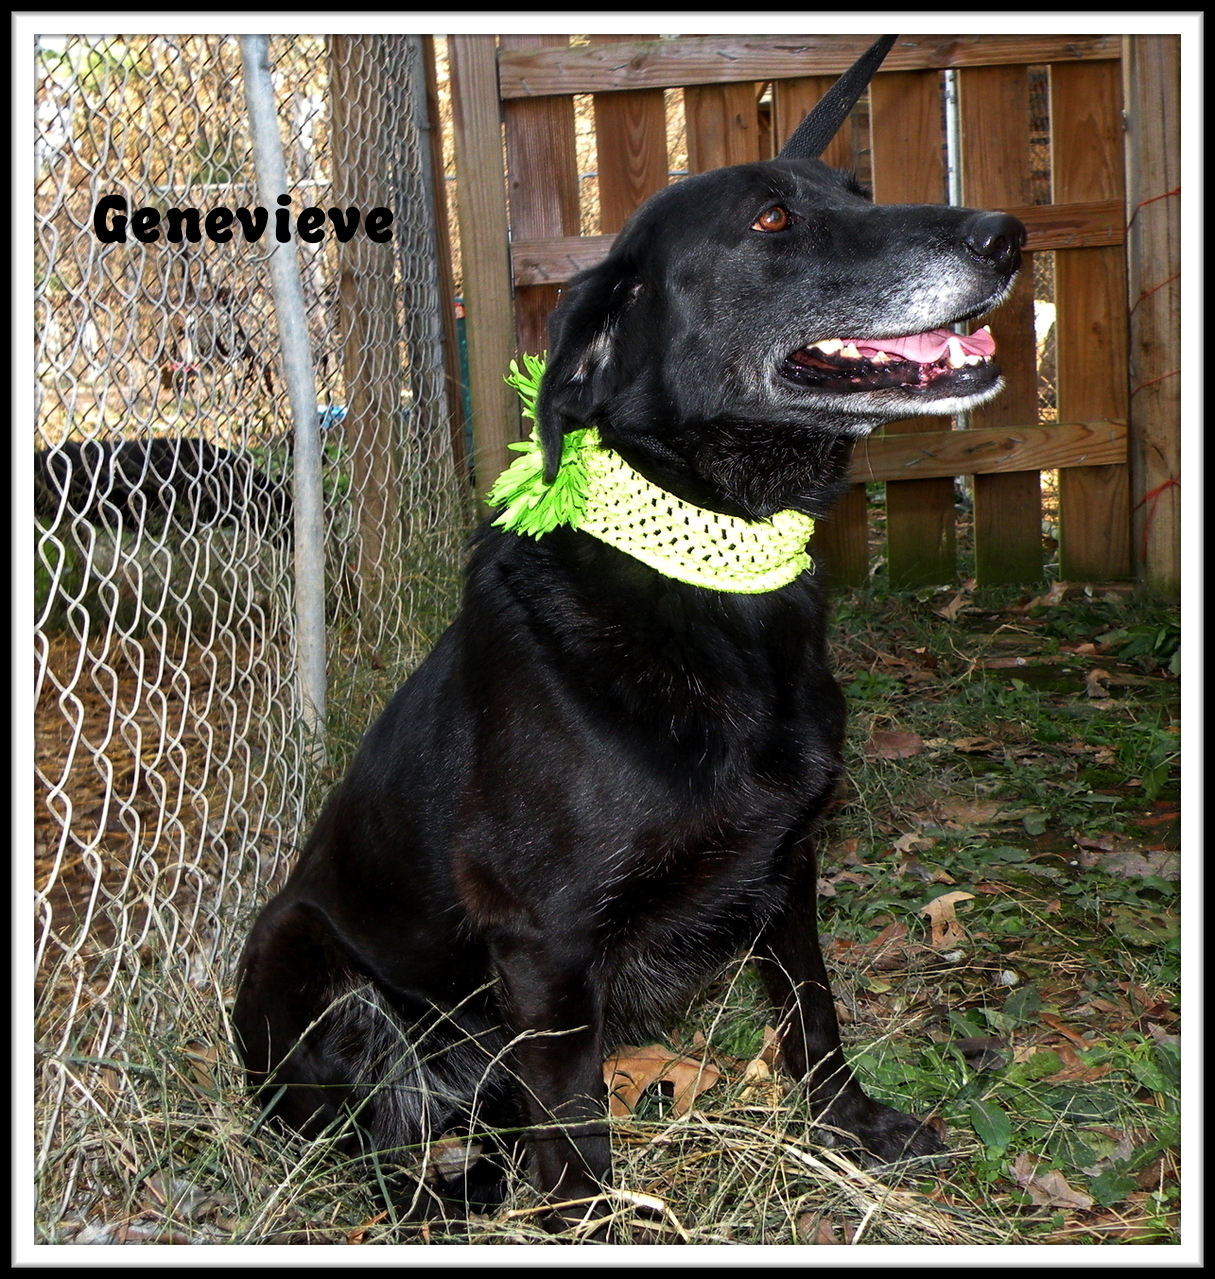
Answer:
(927, 348)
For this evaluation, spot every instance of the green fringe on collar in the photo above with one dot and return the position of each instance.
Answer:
(596, 490)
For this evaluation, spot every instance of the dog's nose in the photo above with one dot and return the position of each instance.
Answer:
(996, 238)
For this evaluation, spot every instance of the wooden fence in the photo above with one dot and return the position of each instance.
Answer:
(742, 96)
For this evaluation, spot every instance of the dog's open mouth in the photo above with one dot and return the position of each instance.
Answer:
(940, 362)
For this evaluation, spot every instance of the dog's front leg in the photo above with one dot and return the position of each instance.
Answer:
(790, 961)
(554, 1010)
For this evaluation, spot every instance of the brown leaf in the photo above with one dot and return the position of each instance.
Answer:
(359, 1234)
(912, 843)
(974, 745)
(969, 812)
(629, 1071)
(1079, 1074)
(1093, 686)
(760, 1084)
(893, 745)
(1055, 595)
(1061, 1028)
(958, 604)
(947, 932)
(1050, 1190)
(813, 1231)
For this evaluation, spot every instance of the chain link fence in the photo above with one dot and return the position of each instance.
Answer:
(173, 769)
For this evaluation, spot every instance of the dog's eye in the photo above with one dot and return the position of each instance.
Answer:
(777, 218)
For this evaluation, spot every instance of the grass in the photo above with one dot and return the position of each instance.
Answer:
(1000, 909)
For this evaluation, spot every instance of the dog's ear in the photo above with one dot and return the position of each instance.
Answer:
(812, 137)
(582, 355)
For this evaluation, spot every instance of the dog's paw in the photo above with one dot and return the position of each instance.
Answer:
(879, 1137)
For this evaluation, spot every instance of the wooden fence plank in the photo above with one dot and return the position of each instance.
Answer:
(1050, 226)
(358, 69)
(1090, 325)
(909, 168)
(841, 540)
(990, 450)
(668, 64)
(723, 125)
(792, 101)
(631, 141)
(481, 205)
(1152, 79)
(994, 109)
(447, 319)
(542, 169)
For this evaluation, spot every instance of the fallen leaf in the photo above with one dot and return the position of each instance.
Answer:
(1105, 843)
(175, 1197)
(1048, 1189)
(851, 877)
(359, 1234)
(1080, 1074)
(1062, 1028)
(947, 932)
(892, 745)
(912, 843)
(629, 1071)
(969, 812)
(1093, 685)
(813, 1231)
(760, 1085)
(974, 745)
(958, 604)
(1055, 595)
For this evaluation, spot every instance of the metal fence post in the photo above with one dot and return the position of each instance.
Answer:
(291, 314)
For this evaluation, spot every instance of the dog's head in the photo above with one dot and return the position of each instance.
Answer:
(765, 310)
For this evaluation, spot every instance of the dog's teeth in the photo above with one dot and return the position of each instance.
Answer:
(830, 346)
(957, 357)
(882, 357)
(850, 352)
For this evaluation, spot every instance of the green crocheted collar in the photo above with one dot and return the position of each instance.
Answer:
(596, 490)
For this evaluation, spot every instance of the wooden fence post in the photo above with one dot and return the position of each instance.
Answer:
(909, 168)
(723, 125)
(370, 335)
(484, 252)
(1090, 291)
(631, 142)
(994, 105)
(841, 541)
(542, 169)
(1152, 79)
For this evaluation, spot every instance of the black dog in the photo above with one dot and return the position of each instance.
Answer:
(183, 481)
(603, 781)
